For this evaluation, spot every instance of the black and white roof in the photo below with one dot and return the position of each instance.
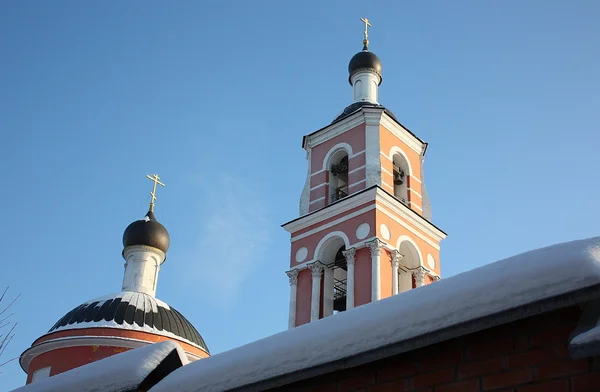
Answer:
(134, 311)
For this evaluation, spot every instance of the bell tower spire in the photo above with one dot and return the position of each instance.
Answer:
(364, 231)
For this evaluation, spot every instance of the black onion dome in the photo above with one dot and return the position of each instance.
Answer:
(147, 231)
(131, 311)
(364, 59)
(354, 107)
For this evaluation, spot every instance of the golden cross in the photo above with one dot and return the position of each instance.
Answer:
(154, 178)
(366, 32)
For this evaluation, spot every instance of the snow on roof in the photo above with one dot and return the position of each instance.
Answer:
(117, 373)
(591, 336)
(510, 283)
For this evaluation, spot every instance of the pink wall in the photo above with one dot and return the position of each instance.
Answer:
(303, 297)
(362, 277)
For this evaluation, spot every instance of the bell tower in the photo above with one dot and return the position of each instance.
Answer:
(364, 230)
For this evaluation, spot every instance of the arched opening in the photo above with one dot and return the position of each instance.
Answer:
(333, 295)
(409, 263)
(340, 278)
(401, 173)
(338, 176)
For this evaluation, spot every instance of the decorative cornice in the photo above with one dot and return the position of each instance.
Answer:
(347, 203)
(418, 225)
(293, 275)
(349, 255)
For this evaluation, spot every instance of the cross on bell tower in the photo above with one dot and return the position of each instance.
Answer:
(364, 230)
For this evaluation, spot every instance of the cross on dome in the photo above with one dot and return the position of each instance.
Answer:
(156, 179)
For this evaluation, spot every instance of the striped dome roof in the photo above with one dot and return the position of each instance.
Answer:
(133, 311)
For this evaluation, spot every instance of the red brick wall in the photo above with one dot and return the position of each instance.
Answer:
(525, 356)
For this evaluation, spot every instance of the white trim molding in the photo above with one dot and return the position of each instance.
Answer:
(385, 203)
(333, 150)
(323, 241)
(397, 150)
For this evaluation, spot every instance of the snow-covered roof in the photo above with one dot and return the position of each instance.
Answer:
(500, 292)
(117, 373)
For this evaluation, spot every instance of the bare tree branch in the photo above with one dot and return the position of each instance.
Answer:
(5, 322)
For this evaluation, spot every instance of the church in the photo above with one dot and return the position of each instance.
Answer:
(368, 308)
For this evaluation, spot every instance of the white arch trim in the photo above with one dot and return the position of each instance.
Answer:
(334, 149)
(397, 150)
(406, 238)
(339, 234)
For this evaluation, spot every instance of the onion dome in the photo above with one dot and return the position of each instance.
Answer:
(364, 60)
(131, 311)
(147, 231)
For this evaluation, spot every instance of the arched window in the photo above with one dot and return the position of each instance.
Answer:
(400, 173)
(338, 176)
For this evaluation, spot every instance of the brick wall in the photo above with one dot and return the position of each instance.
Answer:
(525, 356)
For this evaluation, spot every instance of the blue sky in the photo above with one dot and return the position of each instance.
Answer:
(216, 96)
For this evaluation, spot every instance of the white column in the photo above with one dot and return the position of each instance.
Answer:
(375, 248)
(419, 275)
(293, 275)
(316, 270)
(142, 264)
(349, 255)
(396, 256)
(328, 292)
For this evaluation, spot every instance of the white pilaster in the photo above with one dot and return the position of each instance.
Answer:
(419, 275)
(396, 256)
(349, 255)
(293, 275)
(327, 292)
(316, 270)
(375, 247)
(372, 146)
(142, 264)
